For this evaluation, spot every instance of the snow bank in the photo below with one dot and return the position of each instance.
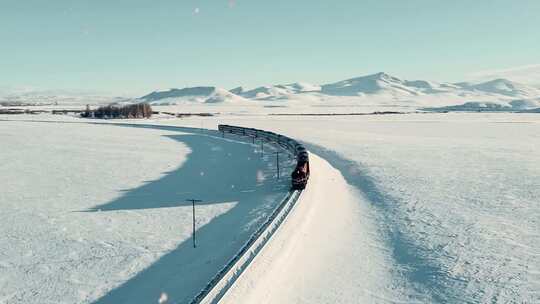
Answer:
(322, 253)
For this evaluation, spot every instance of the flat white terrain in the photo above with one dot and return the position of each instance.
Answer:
(97, 213)
(454, 197)
(418, 208)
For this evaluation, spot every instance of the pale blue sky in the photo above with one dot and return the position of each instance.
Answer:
(135, 46)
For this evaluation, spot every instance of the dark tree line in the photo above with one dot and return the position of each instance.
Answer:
(140, 110)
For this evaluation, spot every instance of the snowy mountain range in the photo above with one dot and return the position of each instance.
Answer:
(376, 89)
(379, 85)
(384, 83)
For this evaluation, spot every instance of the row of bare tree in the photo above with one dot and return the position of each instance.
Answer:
(140, 110)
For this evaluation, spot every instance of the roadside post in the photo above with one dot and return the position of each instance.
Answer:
(193, 201)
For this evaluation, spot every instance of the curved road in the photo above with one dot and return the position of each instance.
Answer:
(305, 261)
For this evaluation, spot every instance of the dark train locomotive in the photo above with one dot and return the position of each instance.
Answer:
(300, 174)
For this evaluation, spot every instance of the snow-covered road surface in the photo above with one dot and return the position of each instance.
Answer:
(323, 253)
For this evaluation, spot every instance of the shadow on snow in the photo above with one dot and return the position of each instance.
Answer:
(216, 171)
(424, 274)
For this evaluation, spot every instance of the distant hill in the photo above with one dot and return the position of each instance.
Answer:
(277, 92)
(193, 94)
(382, 83)
(503, 87)
(371, 84)
(517, 105)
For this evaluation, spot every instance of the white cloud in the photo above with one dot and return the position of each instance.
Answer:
(528, 74)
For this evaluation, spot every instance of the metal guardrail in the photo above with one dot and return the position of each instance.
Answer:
(225, 278)
(286, 142)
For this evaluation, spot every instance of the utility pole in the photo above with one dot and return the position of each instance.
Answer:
(193, 201)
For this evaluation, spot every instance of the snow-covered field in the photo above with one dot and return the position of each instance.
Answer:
(428, 208)
(453, 197)
(97, 213)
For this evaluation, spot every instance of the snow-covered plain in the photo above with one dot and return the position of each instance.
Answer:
(453, 197)
(97, 213)
(418, 208)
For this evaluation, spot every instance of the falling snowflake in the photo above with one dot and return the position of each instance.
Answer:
(196, 11)
(260, 176)
(163, 298)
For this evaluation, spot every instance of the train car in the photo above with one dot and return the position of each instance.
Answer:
(300, 175)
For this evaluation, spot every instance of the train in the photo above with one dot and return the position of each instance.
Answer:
(300, 174)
